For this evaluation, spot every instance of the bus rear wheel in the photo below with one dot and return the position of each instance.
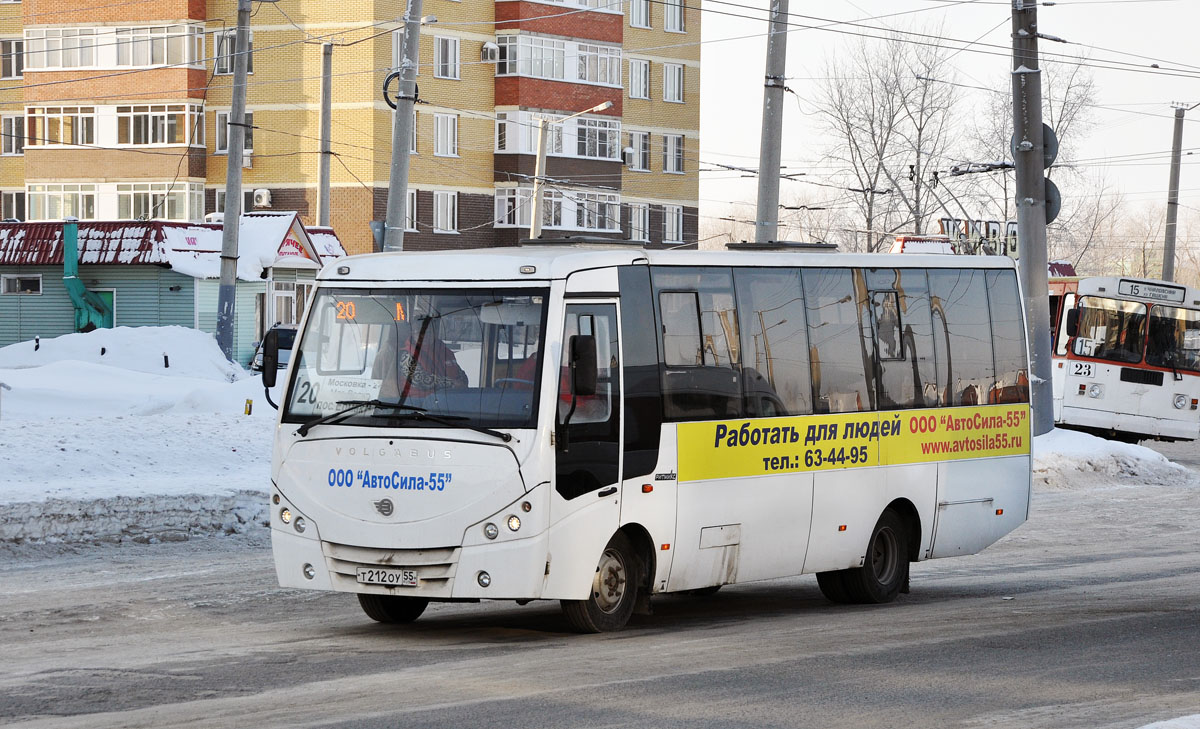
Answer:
(884, 571)
(614, 591)
(392, 608)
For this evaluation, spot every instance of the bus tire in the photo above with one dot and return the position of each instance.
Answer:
(833, 586)
(614, 590)
(392, 608)
(885, 569)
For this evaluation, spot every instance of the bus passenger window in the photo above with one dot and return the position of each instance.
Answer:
(842, 350)
(1008, 339)
(1174, 338)
(775, 372)
(962, 336)
(700, 343)
(904, 335)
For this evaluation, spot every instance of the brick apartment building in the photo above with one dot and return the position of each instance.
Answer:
(118, 110)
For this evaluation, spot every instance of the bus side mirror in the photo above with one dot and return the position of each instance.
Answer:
(583, 364)
(1072, 322)
(270, 358)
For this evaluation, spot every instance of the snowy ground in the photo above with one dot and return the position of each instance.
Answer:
(102, 439)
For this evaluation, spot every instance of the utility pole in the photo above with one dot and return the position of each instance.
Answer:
(1029, 157)
(539, 168)
(402, 131)
(766, 223)
(326, 110)
(1168, 265)
(236, 135)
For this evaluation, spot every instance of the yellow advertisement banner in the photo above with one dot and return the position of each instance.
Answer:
(738, 448)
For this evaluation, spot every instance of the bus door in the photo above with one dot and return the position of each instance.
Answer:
(587, 438)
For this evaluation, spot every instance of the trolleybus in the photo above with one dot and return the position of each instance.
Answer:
(1126, 357)
(597, 426)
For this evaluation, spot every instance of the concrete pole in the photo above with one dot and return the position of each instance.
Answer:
(1031, 206)
(539, 189)
(767, 217)
(326, 110)
(1168, 266)
(402, 131)
(226, 294)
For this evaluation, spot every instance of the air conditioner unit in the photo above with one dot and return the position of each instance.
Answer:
(247, 161)
(262, 198)
(214, 218)
(627, 156)
(490, 52)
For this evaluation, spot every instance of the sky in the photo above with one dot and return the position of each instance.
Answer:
(1134, 114)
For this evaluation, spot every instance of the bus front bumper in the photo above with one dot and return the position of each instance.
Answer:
(514, 569)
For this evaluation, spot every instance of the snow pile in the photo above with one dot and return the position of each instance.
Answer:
(1065, 460)
(122, 371)
(1183, 722)
(116, 445)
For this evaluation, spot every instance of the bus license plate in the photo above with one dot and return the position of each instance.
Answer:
(377, 576)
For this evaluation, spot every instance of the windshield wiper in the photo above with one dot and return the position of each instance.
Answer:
(451, 420)
(410, 412)
(353, 405)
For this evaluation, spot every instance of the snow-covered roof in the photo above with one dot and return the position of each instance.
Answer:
(265, 239)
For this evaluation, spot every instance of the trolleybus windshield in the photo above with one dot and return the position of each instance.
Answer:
(1111, 329)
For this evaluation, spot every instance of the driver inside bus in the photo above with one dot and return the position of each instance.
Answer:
(414, 361)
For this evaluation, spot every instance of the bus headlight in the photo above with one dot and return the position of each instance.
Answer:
(490, 530)
(514, 522)
(1096, 390)
(285, 515)
(1180, 402)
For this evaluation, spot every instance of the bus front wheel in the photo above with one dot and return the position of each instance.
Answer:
(884, 571)
(614, 590)
(392, 608)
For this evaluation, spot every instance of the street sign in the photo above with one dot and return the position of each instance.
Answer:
(1049, 146)
(1053, 201)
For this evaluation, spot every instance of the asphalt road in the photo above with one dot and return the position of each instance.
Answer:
(1086, 616)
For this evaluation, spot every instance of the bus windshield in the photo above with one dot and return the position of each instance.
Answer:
(470, 356)
(1111, 329)
(1174, 338)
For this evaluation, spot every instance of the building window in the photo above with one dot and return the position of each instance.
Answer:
(21, 284)
(445, 135)
(672, 223)
(599, 64)
(597, 138)
(503, 136)
(531, 55)
(445, 57)
(412, 148)
(227, 50)
(597, 211)
(160, 124)
(673, 82)
(61, 125)
(639, 13)
(673, 16)
(223, 133)
(57, 201)
(445, 212)
(410, 210)
(398, 50)
(160, 201)
(12, 134)
(60, 47)
(639, 79)
(673, 153)
(639, 142)
(247, 200)
(514, 208)
(639, 221)
(171, 45)
(12, 58)
(13, 205)
(554, 133)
